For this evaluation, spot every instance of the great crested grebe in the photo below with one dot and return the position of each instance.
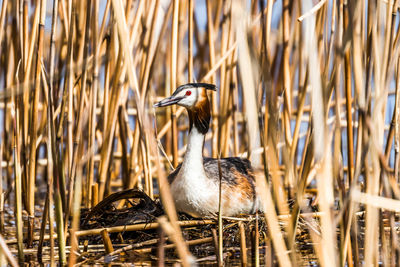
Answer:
(195, 182)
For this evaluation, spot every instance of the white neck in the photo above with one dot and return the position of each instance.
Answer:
(194, 150)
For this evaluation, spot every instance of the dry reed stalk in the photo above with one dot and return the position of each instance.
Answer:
(34, 126)
(122, 31)
(376, 201)
(243, 247)
(350, 45)
(217, 19)
(150, 49)
(235, 103)
(215, 244)
(6, 250)
(223, 114)
(93, 101)
(389, 63)
(130, 247)
(139, 227)
(60, 223)
(220, 223)
(246, 74)
(214, 106)
(1, 191)
(2, 19)
(107, 241)
(348, 80)
(372, 176)
(256, 241)
(286, 74)
(136, 23)
(175, 236)
(322, 154)
(43, 223)
(190, 41)
(51, 218)
(148, 170)
(161, 33)
(397, 125)
(111, 124)
(169, 206)
(81, 10)
(95, 194)
(51, 142)
(18, 191)
(75, 210)
(124, 143)
(345, 224)
(173, 74)
(68, 91)
(232, 87)
(79, 118)
(170, 246)
(272, 221)
(28, 45)
(160, 248)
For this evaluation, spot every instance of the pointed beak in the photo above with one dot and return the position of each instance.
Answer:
(167, 101)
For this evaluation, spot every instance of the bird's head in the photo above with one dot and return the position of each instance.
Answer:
(188, 95)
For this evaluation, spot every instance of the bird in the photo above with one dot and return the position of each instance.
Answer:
(196, 181)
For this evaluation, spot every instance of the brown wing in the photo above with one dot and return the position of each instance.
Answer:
(235, 171)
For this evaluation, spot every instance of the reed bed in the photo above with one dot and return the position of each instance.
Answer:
(307, 90)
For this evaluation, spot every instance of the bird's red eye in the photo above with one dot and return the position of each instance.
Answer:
(188, 93)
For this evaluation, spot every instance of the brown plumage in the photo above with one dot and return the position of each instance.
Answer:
(200, 115)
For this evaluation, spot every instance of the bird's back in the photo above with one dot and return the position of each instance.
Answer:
(238, 183)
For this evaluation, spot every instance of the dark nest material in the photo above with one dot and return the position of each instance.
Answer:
(141, 209)
(142, 245)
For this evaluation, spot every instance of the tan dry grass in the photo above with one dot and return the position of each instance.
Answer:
(77, 108)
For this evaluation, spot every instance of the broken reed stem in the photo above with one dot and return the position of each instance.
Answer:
(107, 241)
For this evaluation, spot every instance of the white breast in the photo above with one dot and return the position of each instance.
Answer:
(193, 192)
(198, 195)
